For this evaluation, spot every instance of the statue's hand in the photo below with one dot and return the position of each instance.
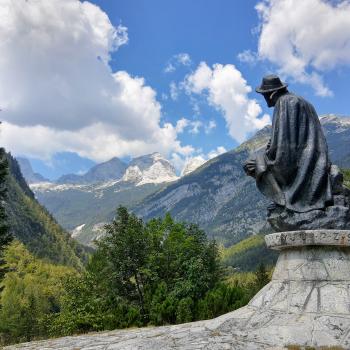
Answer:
(268, 145)
(249, 167)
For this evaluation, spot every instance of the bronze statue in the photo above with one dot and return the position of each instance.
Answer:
(294, 170)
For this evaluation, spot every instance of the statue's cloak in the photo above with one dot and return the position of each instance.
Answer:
(293, 171)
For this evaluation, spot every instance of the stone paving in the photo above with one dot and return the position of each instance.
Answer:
(307, 303)
(193, 336)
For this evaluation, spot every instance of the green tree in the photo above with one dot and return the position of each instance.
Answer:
(126, 248)
(141, 273)
(5, 236)
(261, 277)
(163, 305)
(30, 295)
(184, 311)
(183, 258)
(222, 299)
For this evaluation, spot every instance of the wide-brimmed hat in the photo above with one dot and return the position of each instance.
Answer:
(270, 83)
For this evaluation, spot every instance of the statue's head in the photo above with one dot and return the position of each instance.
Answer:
(271, 87)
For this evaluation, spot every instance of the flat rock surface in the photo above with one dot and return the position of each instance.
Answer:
(190, 336)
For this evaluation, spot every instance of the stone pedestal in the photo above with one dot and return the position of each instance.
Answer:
(308, 300)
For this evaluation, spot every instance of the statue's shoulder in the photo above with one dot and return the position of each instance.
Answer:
(291, 99)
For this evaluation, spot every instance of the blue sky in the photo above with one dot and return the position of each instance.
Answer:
(178, 34)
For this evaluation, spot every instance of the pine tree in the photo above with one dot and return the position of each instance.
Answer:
(126, 248)
(5, 237)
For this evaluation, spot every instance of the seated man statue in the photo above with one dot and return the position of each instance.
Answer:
(294, 170)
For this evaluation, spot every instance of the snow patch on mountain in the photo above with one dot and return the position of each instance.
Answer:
(49, 186)
(99, 230)
(338, 124)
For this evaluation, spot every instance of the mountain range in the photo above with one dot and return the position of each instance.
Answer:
(84, 203)
(216, 195)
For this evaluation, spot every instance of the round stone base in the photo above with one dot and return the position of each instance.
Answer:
(307, 303)
(283, 240)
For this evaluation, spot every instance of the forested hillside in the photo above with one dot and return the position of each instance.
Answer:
(31, 223)
(248, 254)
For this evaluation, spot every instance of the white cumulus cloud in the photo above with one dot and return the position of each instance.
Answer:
(228, 91)
(58, 92)
(304, 39)
(169, 68)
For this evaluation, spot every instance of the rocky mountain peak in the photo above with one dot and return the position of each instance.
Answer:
(150, 168)
(132, 174)
(334, 123)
